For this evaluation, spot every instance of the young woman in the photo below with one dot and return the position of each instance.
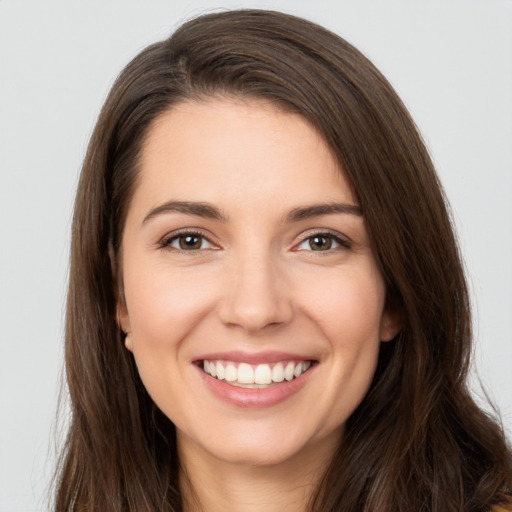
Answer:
(267, 308)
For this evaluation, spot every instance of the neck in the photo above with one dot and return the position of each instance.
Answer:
(211, 485)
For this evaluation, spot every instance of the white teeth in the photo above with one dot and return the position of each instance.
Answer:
(289, 371)
(263, 374)
(255, 376)
(220, 371)
(231, 373)
(278, 373)
(245, 374)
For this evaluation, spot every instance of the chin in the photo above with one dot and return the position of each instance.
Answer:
(266, 445)
(250, 454)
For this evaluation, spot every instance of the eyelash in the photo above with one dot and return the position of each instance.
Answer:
(166, 242)
(343, 243)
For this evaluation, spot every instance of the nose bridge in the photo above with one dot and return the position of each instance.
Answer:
(255, 295)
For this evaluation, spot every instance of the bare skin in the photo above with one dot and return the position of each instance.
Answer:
(254, 305)
(213, 486)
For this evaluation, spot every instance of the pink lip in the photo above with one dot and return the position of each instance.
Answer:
(254, 398)
(252, 358)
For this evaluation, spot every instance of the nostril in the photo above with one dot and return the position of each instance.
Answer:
(254, 295)
(254, 314)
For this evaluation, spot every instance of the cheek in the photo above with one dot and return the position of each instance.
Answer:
(348, 313)
(164, 307)
(164, 304)
(347, 305)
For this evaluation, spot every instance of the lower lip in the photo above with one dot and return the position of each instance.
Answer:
(254, 398)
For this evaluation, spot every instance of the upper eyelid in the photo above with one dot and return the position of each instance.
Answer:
(344, 239)
(185, 231)
(331, 232)
(344, 242)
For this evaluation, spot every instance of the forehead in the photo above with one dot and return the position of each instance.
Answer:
(238, 150)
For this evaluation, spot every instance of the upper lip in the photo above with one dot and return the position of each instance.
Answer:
(254, 357)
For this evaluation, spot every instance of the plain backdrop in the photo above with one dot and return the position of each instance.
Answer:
(450, 60)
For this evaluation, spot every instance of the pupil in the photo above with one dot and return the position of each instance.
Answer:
(319, 243)
(190, 242)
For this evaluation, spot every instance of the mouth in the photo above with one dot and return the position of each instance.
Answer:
(255, 376)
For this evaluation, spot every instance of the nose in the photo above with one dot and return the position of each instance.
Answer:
(255, 295)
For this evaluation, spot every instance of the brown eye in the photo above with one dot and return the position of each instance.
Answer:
(188, 242)
(320, 243)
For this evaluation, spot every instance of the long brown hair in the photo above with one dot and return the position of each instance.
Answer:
(417, 441)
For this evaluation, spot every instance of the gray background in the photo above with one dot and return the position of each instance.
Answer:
(450, 60)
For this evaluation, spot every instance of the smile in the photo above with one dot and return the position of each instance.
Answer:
(259, 376)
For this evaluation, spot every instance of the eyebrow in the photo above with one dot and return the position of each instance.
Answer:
(199, 209)
(316, 210)
(209, 211)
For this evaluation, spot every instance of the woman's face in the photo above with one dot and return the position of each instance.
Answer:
(253, 302)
